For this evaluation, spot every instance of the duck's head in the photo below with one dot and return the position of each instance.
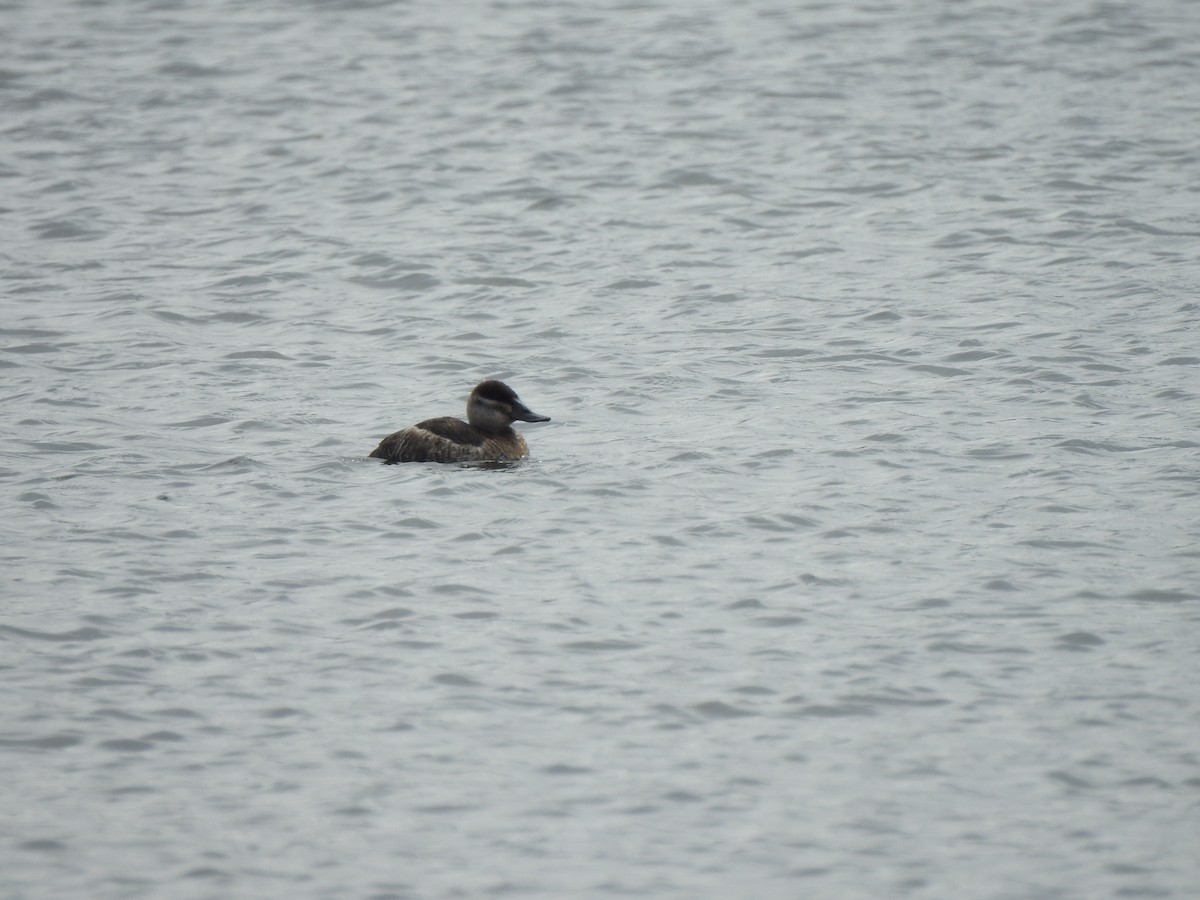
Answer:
(493, 406)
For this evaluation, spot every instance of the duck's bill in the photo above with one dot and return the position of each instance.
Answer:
(523, 413)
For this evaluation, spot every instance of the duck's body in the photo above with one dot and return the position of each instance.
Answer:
(487, 436)
(450, 440)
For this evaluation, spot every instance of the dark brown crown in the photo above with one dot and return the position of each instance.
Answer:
(495, 390)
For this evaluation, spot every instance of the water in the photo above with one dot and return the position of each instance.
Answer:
(859, 559)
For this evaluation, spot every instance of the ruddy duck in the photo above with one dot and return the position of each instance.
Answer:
(491, 409)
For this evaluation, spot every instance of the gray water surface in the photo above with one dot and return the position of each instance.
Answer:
(858, 561)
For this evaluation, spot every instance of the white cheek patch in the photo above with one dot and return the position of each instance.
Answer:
(493, 414)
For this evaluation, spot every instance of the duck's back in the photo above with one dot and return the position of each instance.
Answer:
(448, 439)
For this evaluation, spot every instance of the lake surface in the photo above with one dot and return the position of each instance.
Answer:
(861, 558)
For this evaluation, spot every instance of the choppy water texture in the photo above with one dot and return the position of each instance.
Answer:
(860, 557)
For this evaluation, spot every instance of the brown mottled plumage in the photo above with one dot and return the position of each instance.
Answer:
(488, 436)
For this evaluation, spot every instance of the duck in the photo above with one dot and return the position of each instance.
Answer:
(486, 436)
